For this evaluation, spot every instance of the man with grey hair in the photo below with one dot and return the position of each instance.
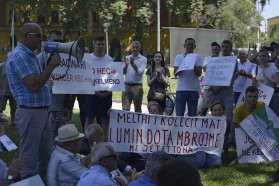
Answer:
(66, 165)
(244, 71)
(154, 161)
(133, 67)
(103, 160)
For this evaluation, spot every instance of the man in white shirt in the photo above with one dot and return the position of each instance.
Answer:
(133, 67)
(97, 105)
(188, 85)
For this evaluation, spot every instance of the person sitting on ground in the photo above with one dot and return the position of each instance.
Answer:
(9, 175)
(66, 165)
(138, 160)
(179, 173)
(94, 135)
(154, 161)
(103, 160)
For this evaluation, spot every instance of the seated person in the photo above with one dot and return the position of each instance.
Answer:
(202, 159)
(137, 160)
(103, 160)
(9, 175)
(154, 161)
(66, 165)
(94, 135)
(179, 173)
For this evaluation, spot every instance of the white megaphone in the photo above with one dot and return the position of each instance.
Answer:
(74, 48)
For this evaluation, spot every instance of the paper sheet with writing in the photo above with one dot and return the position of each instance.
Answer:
(7, 142)
(188, 63)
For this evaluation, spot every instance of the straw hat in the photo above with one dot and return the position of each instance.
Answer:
(68, 132)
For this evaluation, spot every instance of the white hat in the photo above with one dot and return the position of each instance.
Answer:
(68, 132)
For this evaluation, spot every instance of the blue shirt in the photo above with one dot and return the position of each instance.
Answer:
(23, 62)
(97, 175)
(144, 180)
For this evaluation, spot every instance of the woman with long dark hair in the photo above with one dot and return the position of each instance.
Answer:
(157, 79)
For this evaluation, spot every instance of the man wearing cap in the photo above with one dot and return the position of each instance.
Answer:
(66, 165)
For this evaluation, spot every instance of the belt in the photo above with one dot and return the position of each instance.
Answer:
(38, 108)
(134, 84)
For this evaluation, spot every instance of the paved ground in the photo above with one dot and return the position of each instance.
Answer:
(118, 106)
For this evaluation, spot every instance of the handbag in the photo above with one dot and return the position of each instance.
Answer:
(158, 95)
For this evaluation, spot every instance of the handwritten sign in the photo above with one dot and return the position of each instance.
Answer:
(73, 77)
(244, 142)
(7, 142)
(262, 126)
(265, 92)
(117, 172)
(144, 133)
(219, 71)
(188, 63)
(108, 76)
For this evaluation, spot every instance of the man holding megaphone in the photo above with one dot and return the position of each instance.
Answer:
(28, 84)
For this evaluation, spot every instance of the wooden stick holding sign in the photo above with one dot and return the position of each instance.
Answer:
(242, 154)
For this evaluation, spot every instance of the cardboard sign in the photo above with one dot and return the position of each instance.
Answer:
(144, 133)
(265, 92)
(188, 63)
(117, 172)
(262, 126)
(7, 142)
(219, 71)
(244, 142)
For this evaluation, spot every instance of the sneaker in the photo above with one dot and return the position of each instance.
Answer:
(3, 117)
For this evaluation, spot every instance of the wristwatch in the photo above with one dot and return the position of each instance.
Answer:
(10, 177)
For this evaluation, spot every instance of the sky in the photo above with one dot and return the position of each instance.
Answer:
(269, 11)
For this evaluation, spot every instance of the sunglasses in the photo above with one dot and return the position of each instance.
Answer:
(110, 156)
(35, 34)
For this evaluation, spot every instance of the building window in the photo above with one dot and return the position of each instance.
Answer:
(41, 18)
(54, 16)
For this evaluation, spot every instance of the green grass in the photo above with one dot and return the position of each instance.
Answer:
(236, 175)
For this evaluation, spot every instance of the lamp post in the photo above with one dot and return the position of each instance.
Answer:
(158, 25)
(106, 26)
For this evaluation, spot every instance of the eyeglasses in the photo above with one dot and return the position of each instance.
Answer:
(35, 34)
(110, 156)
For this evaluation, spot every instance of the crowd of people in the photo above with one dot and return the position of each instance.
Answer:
(53, 148)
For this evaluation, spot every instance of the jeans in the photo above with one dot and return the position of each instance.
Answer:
(273, 104)
(236, 96)
(202, 160)
(189, 97)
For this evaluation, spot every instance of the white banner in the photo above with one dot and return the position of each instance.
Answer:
(219, 71)
(244, 142)
(108, 76)
(263, 128)
(144, 133)
(265, 92)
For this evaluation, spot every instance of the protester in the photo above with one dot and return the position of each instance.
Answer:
(66, 165)
(10, 175)
(5, 94)
(154, 108)
(28, 84)
(60, 113)
(178, 173)
(246, 108)
(225, 93)
(244, 71)
(267, 74)
(101, 102)
(208, 95)
(157, 79)
(154, 161)
(103, 159)
(134, 66)
(188, 85)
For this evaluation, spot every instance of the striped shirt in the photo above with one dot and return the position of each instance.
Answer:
(23, 62)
